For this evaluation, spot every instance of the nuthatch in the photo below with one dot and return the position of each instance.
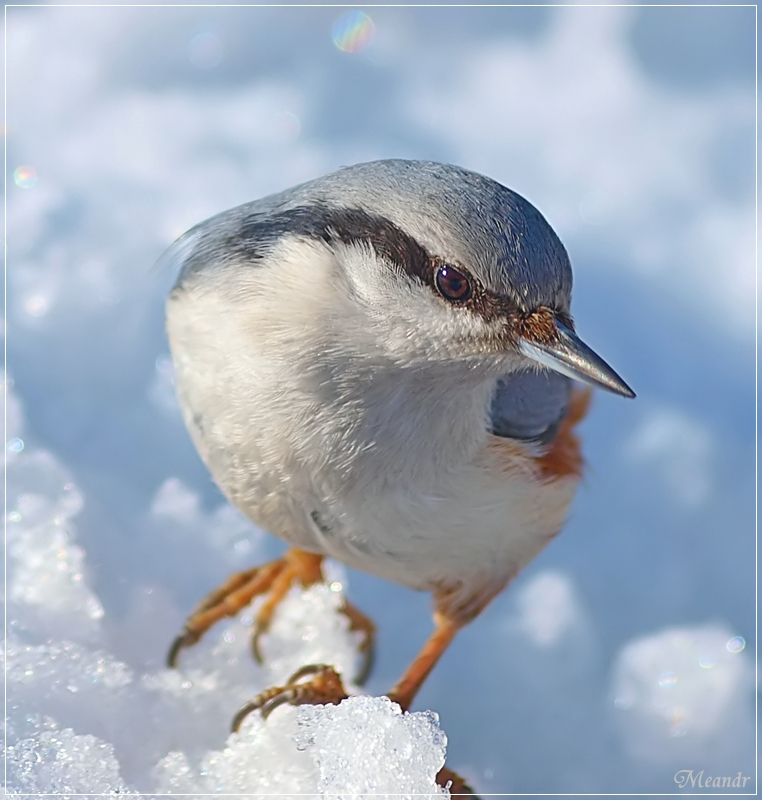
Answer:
(378, 366)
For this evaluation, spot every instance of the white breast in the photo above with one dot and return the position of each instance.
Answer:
(390, 471)
(484, 522)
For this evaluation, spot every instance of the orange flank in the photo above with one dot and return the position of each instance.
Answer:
(564, 457)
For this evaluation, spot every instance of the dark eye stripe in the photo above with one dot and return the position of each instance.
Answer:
(252, 234)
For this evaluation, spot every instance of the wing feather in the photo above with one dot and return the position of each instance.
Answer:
(530, 405)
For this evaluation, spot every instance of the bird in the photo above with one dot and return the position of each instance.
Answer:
(380, 366)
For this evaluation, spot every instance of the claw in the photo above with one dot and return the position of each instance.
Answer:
(255, 649)
(311, 669)
(261, 701)
(185, 639)
(325, 688)
(360, 622)
(226, 601)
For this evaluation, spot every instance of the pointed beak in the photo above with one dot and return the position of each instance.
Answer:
(570, 356)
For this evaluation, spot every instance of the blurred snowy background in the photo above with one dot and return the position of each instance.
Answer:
(626, 651)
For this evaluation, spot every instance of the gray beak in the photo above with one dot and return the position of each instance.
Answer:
(570, 356)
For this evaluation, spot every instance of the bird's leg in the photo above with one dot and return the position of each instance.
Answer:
(407, 686)
(273, 579)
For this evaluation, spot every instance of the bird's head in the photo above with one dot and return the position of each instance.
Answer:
(429, 262)
(450, 265)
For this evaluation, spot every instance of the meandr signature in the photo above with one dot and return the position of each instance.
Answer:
(690, 778)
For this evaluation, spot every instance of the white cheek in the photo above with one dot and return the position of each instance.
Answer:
(409, 319)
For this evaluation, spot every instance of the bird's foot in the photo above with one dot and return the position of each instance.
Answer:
(274, 580)
(324, 688)
(457, 786)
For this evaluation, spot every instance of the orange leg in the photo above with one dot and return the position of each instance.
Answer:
(273, 579)
(407, 686)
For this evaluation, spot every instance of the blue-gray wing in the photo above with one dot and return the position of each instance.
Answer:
(530, 405)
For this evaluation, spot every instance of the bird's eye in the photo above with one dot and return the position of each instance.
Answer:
(453, 284)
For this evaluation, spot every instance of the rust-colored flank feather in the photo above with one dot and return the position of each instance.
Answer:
(564, 456)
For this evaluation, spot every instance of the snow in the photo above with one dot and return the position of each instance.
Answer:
(675, 687)
(364, 746)
(626, 652)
